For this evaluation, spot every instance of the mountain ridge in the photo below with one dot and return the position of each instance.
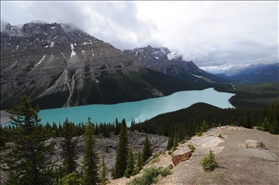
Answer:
(252, 73)
(60, 64)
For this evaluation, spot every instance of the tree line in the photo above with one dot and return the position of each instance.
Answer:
(29, 160)
(199, 117)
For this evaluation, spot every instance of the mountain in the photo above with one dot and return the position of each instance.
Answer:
(59, 65)
(170, 63)
(253, 73)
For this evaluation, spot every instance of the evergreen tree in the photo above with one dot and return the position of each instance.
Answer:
(139, 164)
(122, 152)
(28, 162)
(117, 127)
(175, 143)
(91, 157)
(70, 179)
(147, 149)
(170, 143)
(130, 163)
(132, 127)
(104, 173)
(209, 163)
(69, 153)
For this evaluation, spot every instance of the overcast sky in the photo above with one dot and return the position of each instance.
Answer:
(214, 35)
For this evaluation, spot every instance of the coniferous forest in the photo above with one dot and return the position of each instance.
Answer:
(28, 160)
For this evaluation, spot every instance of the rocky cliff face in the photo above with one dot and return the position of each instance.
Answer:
(41, 59)
(170, 63)
(59, 65)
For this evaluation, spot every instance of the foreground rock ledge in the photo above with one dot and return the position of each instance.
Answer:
(181, 154)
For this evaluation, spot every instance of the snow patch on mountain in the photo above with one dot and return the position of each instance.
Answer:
(173, 55)
(40, 60)
(73, 53)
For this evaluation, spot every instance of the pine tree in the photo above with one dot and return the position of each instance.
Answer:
(70, 179)
(170, 143)
(139, 164)
(147, 149)
(69, 153)
(130, 163)
(28, 162)
(209, 163)
(117, 127)
(122, 152)
(175, 142)
(91, 157)
(104, 173)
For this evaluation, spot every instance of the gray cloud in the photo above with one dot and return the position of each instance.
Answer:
(209, 33)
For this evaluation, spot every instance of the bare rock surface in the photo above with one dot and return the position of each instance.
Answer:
(181, 154)
(237, 163)
(254, 144)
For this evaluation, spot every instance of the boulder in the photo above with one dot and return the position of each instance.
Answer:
(182, 154)
(254, 144)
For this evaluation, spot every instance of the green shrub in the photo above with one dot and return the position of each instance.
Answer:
(209, 163)
(165, 171)
(191, 147)
(220, 136)
(260, 128)
(150, 176)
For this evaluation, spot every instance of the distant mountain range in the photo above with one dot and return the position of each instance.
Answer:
(59, 65)
(252, 73)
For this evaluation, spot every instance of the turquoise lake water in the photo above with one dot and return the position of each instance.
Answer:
(139, 110)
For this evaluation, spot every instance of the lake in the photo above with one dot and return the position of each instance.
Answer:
(139, 110)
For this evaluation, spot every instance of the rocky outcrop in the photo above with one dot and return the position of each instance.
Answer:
(181, 154)
(254, 144)
(136, 140)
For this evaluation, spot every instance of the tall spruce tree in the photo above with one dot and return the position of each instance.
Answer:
(69, 153)
(147, 149)
(28, 162)
(130, 163)
(122, 152)
(104, 173)
(117, 127)
(91, 157)
(139, 164)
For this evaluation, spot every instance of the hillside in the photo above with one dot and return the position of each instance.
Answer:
(59, 65)
(238, 162)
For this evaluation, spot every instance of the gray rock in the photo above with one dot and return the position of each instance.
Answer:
(254, 144)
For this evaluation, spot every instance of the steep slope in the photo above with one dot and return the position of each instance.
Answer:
(167, 62)
(41, 59)
(59, 65)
